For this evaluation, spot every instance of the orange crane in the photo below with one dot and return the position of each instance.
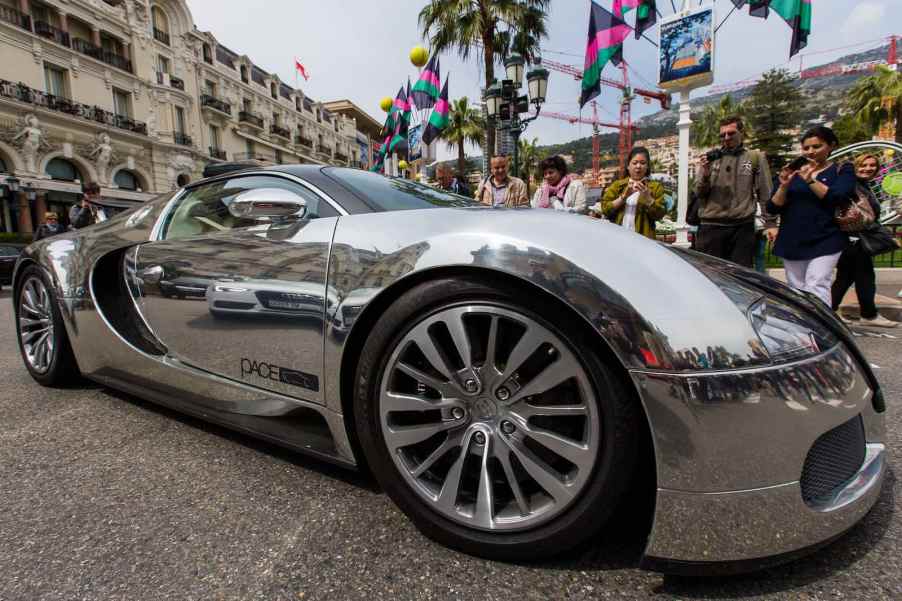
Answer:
(596, 141)
(629, 94)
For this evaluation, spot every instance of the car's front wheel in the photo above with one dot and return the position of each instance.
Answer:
(42, 336)
(491, 420)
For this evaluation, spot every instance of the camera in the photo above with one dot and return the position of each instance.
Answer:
(714, 155)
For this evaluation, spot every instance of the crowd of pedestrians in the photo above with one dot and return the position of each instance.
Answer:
(817, 214)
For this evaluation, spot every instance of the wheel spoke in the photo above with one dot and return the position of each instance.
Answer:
(485, 497)
(447, 497)
(404, 436)
(504, 459)
(559, 371)
(444, 388)
(40, 352)
(491, 346)
(25, 322)
(542, 474)
(460, 338)
(454, 439)
(29, 301)
(393, 401)
(31, 335)
(35, 324)
(526, 346)
(570, 450)
(427, 346)
(526, 410)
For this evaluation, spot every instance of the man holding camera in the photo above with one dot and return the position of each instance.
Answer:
(87, 212)
(733, 186)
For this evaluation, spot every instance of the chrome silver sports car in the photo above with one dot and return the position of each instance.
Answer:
(502, 373)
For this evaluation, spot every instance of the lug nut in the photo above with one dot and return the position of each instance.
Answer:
(508, 427)
(471, 386)
(458, 413)
(479, 437)
(503, 394)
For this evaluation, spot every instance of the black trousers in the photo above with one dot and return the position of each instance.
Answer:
(734, 243)
(856, 266)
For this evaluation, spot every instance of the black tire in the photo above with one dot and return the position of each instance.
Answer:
(608, 482)
(63, 369)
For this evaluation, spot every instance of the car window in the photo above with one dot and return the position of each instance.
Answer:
(205, 209)
(397, 194)
(9, 251)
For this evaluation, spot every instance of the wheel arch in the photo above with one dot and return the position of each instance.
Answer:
(376, 307)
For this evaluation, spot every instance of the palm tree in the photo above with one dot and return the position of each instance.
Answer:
(465, 124)
(877, 99)
(706, 127)
(494, 26)
(530, 157)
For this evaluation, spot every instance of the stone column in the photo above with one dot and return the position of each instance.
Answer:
(40, 207)
(64, 21)
(95, 36)
(25, 223)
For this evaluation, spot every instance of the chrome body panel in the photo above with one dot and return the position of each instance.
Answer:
(730, 449)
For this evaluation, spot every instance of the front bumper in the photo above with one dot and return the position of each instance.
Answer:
(730, 448)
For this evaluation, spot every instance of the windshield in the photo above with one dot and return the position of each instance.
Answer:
(397, 194)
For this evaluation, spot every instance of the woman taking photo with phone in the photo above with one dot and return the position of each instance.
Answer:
(810, 192)
(634, 201)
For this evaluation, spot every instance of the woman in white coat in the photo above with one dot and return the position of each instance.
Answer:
(559, 190)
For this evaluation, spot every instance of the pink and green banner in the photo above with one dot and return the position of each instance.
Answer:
(426, 90)
(796, 13)
(605, 43)
(439, 118)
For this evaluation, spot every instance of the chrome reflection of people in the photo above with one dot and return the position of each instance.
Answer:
(809, 240)
(855, 265)
(87, 212)
(559, 191)
(501, 189)
(50, 227)
(634, 201)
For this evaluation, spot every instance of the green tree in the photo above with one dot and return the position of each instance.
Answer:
(850, 130)
(530, 157)
(706, 126)
(876, 99)
(494, 26)
(465, 124)
(774, 110)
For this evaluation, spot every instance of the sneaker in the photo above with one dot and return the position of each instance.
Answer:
(879, 322)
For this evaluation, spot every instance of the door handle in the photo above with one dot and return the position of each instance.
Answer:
(151, 275)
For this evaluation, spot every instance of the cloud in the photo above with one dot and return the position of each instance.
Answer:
(864, 16)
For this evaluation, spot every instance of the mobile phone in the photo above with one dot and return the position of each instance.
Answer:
(797, 163)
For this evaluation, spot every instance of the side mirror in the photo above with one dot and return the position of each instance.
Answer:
(268, 204)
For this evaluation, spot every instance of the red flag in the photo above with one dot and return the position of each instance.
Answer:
(301, 69)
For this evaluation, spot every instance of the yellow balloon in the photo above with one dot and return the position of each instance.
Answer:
(385, 103)
(418, 56)
(402, 164)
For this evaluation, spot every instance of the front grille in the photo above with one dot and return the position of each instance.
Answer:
(233, 305)
(833, 459)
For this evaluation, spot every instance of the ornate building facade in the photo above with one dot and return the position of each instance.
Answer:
(128, 93)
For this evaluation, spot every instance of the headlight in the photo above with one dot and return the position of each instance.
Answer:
(221, 288)
(786, 332)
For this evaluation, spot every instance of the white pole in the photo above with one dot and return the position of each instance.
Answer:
(683, 125)
(394, 164)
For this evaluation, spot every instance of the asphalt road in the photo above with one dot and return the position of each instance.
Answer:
(105, 496)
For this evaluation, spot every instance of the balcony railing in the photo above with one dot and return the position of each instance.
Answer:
(208, 101)
(176, 83)
(180, 138)
(106, 56)
(22, 93)
(280, 131)
(160, 36)
(249, 117)
(341, 158)
(302, 141)
(251, 156)
(14, 17)
(46, 30)
(217, 153)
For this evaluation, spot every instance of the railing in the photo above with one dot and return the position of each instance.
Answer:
(106, 56)
(251, 156)
(14, 17)
(22, 93)
(341, 157)
(160, 36)
(302, 141)
(891, 259)
(217, 153)
(280, 131)
(46, 30)
(251, 118)
(176, 83)
(213, 102)
(180, 138)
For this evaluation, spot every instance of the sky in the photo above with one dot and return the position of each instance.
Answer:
(358, 49)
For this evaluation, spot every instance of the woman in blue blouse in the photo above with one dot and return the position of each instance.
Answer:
(809, 241)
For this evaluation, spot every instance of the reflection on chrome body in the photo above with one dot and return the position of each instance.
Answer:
(731, 424)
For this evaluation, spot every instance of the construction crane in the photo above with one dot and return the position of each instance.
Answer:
(629, 94)
(596, 141)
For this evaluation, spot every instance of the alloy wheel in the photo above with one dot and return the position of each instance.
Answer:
(490, 417)
(36, 324)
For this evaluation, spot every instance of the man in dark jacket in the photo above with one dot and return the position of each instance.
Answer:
(731, 188)
(50, 227)
(450, 182)
(85, 212)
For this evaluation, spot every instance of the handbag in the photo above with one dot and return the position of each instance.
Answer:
(877, 239)
(858, 214)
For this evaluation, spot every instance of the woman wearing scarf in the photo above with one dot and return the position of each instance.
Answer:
(559, 192)
(635, 202)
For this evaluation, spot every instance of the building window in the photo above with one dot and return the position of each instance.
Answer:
(208, 54)
(122, 103)
(276, 120)
(246, 105)
(279, 160)
(179, 119)
(210, 88)
(160, 25)
(249, 148)
(56, 81)
(162, 64)
(244, 76)
(215, 140)
(125, 180)
(61, 169)
(273, 91)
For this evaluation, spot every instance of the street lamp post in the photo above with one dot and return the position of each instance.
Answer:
(504, 103)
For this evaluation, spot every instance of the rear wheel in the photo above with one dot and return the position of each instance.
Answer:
(42, 336)
(489, 418)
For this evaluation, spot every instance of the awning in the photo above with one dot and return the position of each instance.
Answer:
(116, 196)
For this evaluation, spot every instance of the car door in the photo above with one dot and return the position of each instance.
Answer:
(237, 297)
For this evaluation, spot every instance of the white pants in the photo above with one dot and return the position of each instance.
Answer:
(814, 275)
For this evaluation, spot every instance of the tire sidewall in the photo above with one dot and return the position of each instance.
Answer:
(611, 472)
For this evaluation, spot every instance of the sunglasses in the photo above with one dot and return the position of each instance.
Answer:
(728, 134)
